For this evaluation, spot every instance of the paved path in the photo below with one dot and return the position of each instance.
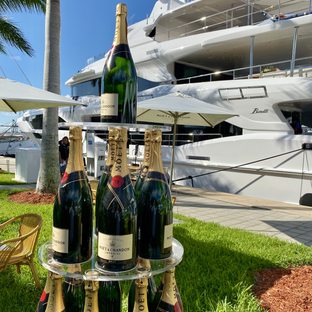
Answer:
(285, 221)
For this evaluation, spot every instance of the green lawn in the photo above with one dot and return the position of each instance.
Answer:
(7, 178)
(216, 274)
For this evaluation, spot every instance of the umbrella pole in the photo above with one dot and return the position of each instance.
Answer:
(173, 145)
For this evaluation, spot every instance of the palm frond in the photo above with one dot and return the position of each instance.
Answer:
(11, 34)
(22, 5)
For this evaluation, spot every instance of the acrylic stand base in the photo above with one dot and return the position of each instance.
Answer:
(157, 266)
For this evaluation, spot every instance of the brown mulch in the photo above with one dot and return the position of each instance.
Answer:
(285, 290)
(32, 198)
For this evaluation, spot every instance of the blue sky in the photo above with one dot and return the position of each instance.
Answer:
(87, 30)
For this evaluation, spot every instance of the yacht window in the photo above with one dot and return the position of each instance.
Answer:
(90, 87)
(243, 93)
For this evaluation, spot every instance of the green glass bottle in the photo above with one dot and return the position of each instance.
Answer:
(155, 211)
(119, 92)
(110, 296)
(145, 163)
(55, 302)
(117, 215)
(151, 288)
(73, 209)
(73, 290)
(111, 153)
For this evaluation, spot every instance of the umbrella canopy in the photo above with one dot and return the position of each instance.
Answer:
(180, 109)
(16, 96)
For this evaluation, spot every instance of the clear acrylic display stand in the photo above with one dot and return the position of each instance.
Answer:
(98, 126)
(157, 266)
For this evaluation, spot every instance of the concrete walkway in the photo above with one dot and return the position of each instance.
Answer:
(285, 221)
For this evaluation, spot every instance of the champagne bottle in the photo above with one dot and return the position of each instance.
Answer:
(109, 164)
(43, 301)
(151, 288)
(117, 215)
(145, 164)
(140, 303)
(55, 302)
(73, 290)
(72, 213)
(169, 301)
(110, 296)
(155, 212)
(91, 292)
(119, 92)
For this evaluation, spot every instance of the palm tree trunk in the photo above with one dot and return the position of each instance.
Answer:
(49, 173)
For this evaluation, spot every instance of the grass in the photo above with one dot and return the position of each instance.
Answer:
(7, 178)
(216, 274)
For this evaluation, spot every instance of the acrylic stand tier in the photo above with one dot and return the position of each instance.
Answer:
(97, 126)
(157, 266)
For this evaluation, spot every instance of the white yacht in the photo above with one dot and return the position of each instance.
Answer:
(253, 58)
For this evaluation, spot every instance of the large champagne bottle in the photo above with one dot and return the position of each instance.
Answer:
(151, 288)
(72, 213)
(119, 92)
(91, 293)
(110, 296)
(169, 300)
(43, 301)
(73, 291)
(55, 302)
(117, 215)
(145, 163)
(155, 212)
(111, 153)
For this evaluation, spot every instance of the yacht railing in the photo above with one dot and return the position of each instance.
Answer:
(274, 69)
(250, 13)
(181, 138)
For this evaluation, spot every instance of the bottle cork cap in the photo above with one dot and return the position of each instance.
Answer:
(75, 133)
(121, 9)
(147, 134)
(112, 133)
(122, 134)
(156, 135)
(91, 282)
(142, 282)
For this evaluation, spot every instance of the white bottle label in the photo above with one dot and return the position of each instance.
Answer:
(109, 104)
(60, 240)
(115, 247)
(168, 234)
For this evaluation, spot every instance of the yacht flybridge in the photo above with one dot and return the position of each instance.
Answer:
(253, 58)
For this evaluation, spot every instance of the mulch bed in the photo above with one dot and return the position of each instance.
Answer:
(285, 290)
(31, 197)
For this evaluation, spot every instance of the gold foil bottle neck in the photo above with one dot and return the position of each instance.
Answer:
(121, 30)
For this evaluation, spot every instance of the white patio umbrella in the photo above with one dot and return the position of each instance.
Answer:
(180, 109)
(16, 96)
